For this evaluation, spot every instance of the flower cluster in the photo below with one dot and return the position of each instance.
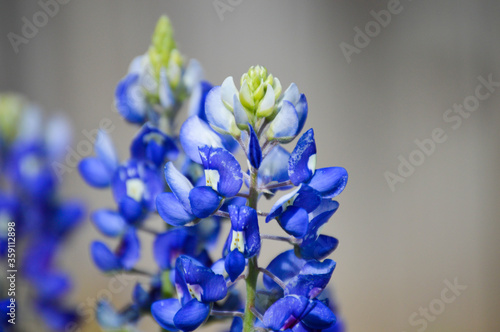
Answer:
(32, 211)
(194, 182)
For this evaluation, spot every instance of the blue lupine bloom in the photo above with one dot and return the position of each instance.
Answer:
(197, 288)
(243, 241)
(171, 244)
(153, 145)
(124, 258)
(297, 313)
(135, 186)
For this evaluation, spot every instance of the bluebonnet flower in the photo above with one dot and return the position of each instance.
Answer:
(30, 200)
(205, 184)
(197, 288)
(243, 241)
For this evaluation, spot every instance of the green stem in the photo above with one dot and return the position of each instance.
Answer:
(253, 268)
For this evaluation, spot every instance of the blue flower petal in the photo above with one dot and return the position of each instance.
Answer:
(218, 116)
(312, 279)
(105, 151)
(285, 313)
(320, 317)
(285, 266)
(302, 109)
(274, 167)
(294, 221)
(302, 162)
(222, 170)
(191, 315)
(285, 125)
(234, 264)
(204, 201)
(236, 325)
(128, 251)
(140, 296)
(240, 114)
(107, 316)
(179, 184)
(103, 258)
(95, 172)
(109, 222)
(164, 312)
(254, 150)
(198, 98)
(153, 145)
(168, 246)
(130, 100)
(319, 217)
(130, 209)
(323, 246)
(172, 211)
(329, 181)
(196, 133)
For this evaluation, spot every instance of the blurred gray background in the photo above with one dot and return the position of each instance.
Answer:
(398, 248)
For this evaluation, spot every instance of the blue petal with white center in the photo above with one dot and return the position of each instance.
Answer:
(244, 235)
(196, 133)
(222, 170)
(302, 162)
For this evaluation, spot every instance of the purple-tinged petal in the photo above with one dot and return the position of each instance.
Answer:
(320, 317)
(179, 184)
(191, 315)
(168, 246)
(94, 172)
(109, 222)
(204, 201)
(128, 251)
(302, 162)
(172, 211)
(284, 126)
(196, 133)
(234, 264)
(329, 181)
(285, 313)
(254, 150)
(164, 312)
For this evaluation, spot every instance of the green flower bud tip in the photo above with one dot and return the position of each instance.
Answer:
(162, 44)
(11, 106)
(254, 94)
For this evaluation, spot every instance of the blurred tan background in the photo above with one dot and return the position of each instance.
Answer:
(397, 248)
